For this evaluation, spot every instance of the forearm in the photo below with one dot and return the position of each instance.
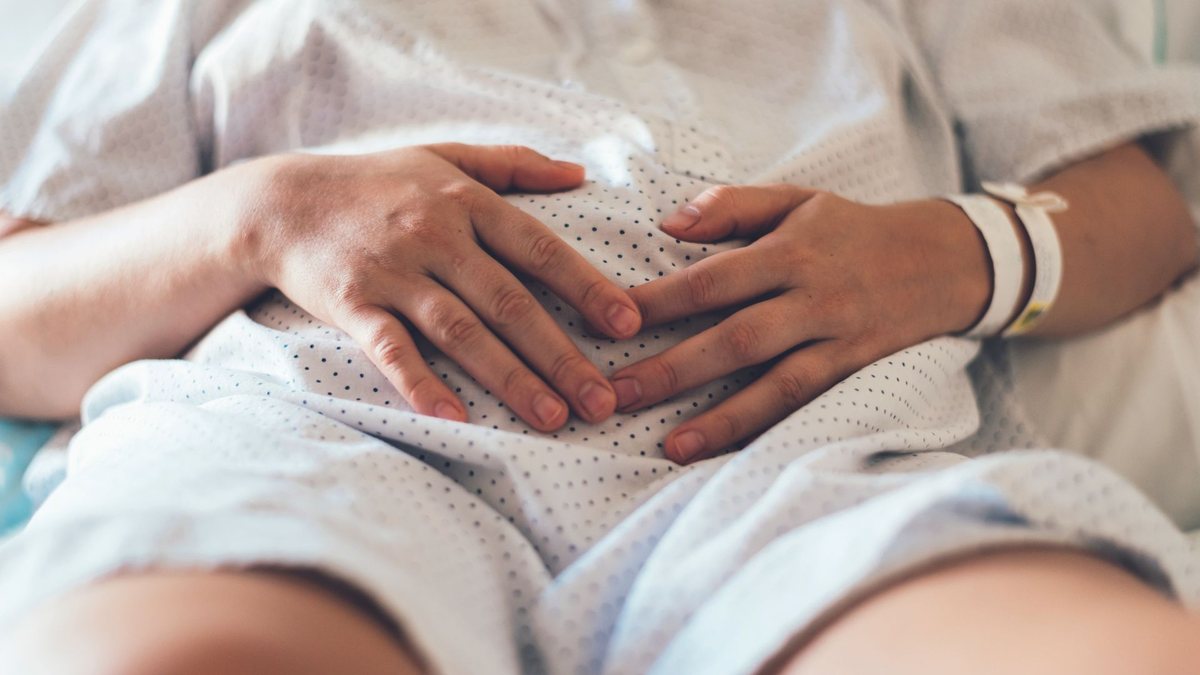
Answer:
(80, 298)
(828, 285)
(1126, 236)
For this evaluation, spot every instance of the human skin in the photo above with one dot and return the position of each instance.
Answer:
(829, 285)
(356, 241)
(1008, 612)
(235, 623)
(134, 288)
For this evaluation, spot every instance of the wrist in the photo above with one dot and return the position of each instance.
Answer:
(968, 269)
(960, 267)
(253, 190)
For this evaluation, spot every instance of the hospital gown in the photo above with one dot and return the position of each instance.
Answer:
(495, 548)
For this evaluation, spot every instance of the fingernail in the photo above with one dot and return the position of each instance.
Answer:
(567, 165)
(629, 391)
(682, 219)
(447, 411)
(547, 409)
(622, 319)
(689, 444)
(597, 400)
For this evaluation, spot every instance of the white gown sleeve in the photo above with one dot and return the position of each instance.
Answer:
(102, 117)
(1033, 85)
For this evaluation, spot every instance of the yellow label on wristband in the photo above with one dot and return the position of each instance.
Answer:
(1028, 319)
(1033, 211)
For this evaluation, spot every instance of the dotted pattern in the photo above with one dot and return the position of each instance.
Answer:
(583, 551)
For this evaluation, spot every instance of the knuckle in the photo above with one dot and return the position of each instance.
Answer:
(776, 247)
(452, 325)
(823, 201)
(514, 153)
(444, 239)
(518, 379)
(701, 286)
(420, 384)
(743, 341)
(783, 257)
(446, 147)
(389, 354)
(665, 374)
(407, 210)
(728, 425)
(545, 252)
(460, 330)
(426, 222)
(438, 312)
(592, 293)
(724, 196)
(565, 364)
(358, 317)
(511, 306)
(791, 389)
(349, 292)
(462, 193)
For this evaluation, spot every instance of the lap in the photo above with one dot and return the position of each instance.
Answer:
(185, 623)
(1016, 611)
(615, 567)
(1012, 611)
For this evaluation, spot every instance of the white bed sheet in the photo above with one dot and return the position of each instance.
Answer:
(1128, 396)
(23, 27)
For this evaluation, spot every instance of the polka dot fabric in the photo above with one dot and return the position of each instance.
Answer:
(499, 549)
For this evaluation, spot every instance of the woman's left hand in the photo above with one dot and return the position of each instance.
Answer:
(827, 286)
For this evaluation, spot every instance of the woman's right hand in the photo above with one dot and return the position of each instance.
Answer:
(421, 233)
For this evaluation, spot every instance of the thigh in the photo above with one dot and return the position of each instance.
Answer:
(1020, 611)
(182, 623)
(257, 482)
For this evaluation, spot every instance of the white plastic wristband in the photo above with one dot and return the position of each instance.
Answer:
(1034, 212)
(1004, 248)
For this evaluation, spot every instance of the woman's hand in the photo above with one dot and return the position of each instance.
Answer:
(827, 287)
(421, 233)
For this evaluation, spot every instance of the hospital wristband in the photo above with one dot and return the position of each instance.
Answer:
(1034, 213)
(1008, 269)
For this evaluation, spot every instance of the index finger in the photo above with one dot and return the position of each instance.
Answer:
(508, 307)
(389, 346)
(797, 379)
(718, 281)
(525, 243)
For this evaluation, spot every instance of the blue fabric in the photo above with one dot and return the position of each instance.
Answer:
(1160, 31)
(19, 441)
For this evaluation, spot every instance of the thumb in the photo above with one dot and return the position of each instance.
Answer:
(735, 211)
(511, 167)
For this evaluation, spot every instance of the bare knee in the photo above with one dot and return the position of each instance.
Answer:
(192, 624)
(1009, 612)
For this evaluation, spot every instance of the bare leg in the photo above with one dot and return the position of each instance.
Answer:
(1031, 611)
(234, 623)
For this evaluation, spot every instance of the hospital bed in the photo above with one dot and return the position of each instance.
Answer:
(1128, 395)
